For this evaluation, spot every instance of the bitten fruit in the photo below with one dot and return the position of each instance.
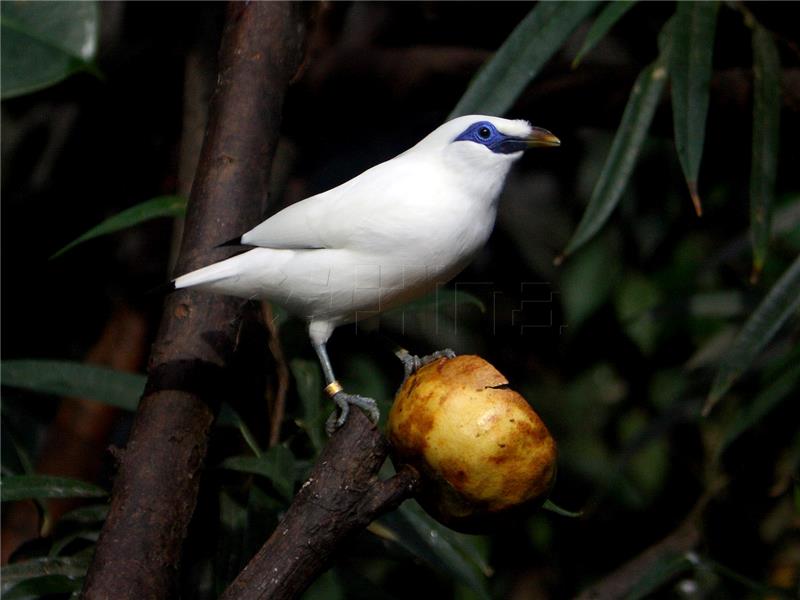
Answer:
(483, 453)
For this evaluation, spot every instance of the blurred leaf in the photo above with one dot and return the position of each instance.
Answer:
(71, 567)
(309, 385)
(36, 588)
(276, 464)
(442, 299)
(690, 74)
(24, 487)
(721, 304)
(161, 206)
(612, 13)
(420, 535)
(58, 546)
(762, 404)
(79, 380)
(660, 572)
(624, 152)
(713, 349)
(766, 142)
(361, 372)
(779, 304)
(230, 418)
(589, 278)
(501, 80)
(45, 42)
(634, 300)
(95, 513)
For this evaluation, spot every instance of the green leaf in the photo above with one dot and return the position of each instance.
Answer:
(690, 74)
(25, 487)
(58, 546)
(72, 567)
(444, 299)
(500, 81)
(308, 381)
(624, 152)
(445, 551)
(229, 417)
(766, 140)
(64, 378)
(761, 405)
(589, 278)
(276, 464)
(45, 42)
(161, 206)
(780, 303)
(43, 587)
(612, 13)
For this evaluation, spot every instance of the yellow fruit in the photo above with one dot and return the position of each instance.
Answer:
(482, 451)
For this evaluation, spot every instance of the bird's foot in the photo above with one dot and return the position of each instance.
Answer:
(412, 362)
(343, 400)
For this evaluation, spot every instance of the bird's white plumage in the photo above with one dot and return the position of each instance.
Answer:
(382, 238)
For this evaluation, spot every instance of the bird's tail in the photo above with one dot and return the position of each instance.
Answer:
(207, 275)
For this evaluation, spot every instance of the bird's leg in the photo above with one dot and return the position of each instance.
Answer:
(342, 399)
(412, 362)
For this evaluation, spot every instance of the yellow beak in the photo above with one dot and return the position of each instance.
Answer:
(541, 137)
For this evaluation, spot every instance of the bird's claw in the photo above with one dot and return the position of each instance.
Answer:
(412, 362)
(343, 400)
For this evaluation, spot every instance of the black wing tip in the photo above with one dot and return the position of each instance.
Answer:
(237, 241)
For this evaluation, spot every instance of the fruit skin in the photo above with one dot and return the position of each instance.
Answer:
(484, 455)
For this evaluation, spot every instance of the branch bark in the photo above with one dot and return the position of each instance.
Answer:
(155, 491)
(342, 495)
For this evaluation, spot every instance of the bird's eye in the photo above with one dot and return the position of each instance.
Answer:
(484, 133)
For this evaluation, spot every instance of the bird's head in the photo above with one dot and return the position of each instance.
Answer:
(483, 144)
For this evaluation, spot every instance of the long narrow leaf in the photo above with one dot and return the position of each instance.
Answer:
(161, 206)
(612, 13)
(761, 405)
(15, 573)
(46, 586)
(690, 74)
(624, 152)
(25, 487)
(538, 37)
(420, 535)
(64, 378)
(766, 134)
(780, 303)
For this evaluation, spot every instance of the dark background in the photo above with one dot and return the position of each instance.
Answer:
(614, 389)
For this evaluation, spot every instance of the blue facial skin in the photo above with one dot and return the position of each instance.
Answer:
(486, 134)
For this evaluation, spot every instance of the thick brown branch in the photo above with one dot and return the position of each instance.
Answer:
(156, 488)
(343, 494)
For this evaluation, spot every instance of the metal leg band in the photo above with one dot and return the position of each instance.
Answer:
(333, 388)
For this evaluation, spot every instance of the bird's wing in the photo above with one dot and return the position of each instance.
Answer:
(294, 227)
(339, 218)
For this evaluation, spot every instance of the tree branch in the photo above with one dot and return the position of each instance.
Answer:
(155, 491)
(342, 494)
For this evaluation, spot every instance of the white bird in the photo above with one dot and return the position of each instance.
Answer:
(387, 236)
